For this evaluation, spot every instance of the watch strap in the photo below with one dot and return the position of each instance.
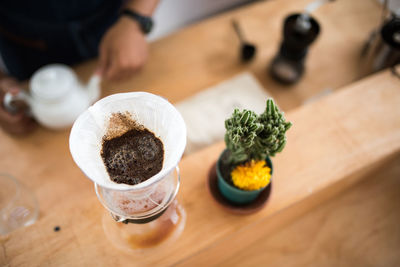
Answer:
(145, 22)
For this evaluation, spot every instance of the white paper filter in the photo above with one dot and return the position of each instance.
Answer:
(153, 112)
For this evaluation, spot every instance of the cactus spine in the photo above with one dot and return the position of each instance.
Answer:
(249, 136)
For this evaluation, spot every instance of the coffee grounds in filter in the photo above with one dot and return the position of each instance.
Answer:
(134, 156)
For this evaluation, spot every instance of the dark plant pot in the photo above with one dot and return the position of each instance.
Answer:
(234, 194)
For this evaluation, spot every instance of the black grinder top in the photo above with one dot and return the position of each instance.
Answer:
(296, 38)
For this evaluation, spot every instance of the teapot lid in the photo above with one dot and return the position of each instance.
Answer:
(52, 82)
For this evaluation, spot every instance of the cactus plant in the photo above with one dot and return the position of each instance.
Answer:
(249, 136)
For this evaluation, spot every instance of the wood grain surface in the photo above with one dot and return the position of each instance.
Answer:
(357, 228)
(333, 140)
(191, 60)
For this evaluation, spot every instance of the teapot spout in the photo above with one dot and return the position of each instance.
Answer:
(94, 88)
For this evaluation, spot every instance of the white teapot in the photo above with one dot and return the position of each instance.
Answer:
(56, 96)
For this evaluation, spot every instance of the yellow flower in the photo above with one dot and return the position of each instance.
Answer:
(252, 175)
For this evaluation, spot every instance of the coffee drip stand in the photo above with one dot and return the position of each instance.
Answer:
(144, 217)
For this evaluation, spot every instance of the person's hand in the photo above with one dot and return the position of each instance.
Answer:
(17, 122)
(123, 50)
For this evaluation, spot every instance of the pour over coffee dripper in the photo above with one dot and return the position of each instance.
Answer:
(147, 214)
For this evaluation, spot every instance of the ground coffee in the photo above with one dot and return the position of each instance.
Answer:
(133, 157)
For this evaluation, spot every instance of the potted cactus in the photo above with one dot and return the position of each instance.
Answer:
(244, 168)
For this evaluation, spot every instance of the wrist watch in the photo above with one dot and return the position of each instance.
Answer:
(145, 23)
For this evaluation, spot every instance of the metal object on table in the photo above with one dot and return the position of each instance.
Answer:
(382, 49)
(247, 50)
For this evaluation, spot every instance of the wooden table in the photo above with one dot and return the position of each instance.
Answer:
(208, 52)
(344, 147)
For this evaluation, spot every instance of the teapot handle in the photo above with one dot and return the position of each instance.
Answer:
(10, 101)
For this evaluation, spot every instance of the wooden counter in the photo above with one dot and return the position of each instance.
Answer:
(192, 59)
(335, 142)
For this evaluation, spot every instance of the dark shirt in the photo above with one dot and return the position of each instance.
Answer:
(34, 33)
(52, 10)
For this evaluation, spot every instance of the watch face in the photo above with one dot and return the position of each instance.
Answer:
(147, 25)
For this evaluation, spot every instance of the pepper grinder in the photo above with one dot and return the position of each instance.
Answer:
(299, 31)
